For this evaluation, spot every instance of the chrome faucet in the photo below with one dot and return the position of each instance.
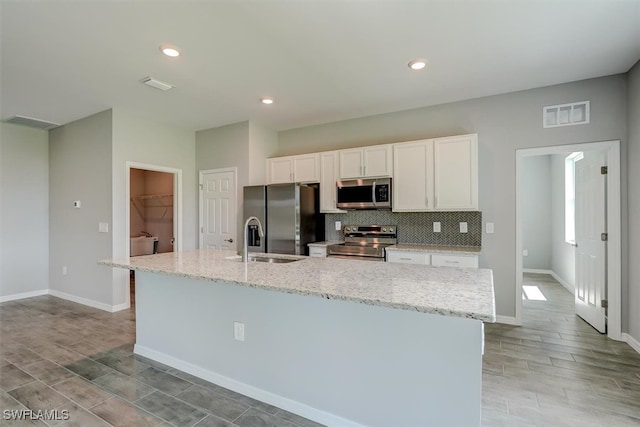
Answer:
(245, 251)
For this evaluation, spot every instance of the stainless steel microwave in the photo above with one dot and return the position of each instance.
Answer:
(372, 193)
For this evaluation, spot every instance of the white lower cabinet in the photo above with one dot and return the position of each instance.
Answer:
(403, 257)
(318, 251)
(443, 260)
(434, 259)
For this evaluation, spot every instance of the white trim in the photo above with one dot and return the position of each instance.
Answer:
(614, 268)
(293, 406)
(24, 295)
(564, 284)
(537, 271)
(552, 273)
(84, 301)
(633, 343)
(508, 320)
(201, 199)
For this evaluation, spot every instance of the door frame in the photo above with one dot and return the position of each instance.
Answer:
(201, 174)
(614, 224)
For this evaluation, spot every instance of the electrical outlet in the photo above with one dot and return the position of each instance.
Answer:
(238, 331)
(463, 227)
(490, 228)
(338, 225)
(436, 227)
(525, 253)
(64, 270)
(103, 227)
(77, 204)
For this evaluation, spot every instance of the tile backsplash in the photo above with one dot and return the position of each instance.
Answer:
(414, 227)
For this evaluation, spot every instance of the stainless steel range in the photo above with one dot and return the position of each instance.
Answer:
(365, 242)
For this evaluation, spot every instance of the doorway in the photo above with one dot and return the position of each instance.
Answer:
(611, 152)
(218, 209)
(153, 213)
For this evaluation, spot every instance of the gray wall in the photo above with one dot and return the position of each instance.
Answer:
(536, 212)
(244, 145)
(563, 255)
(504, 124)
(633, 160)
(24, 210)
(137, 139)
(80, 169)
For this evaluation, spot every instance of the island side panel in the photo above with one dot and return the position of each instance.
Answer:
(323, 359)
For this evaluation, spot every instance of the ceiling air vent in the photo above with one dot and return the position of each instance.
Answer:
(31, 122)
(576, 113)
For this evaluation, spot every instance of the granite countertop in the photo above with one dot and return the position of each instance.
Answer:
(457, 250)
(448, 291)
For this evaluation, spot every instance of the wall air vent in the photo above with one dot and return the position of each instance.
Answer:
(31, 122)
(576, 113)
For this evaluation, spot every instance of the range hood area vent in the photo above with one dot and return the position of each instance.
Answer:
(31, 122)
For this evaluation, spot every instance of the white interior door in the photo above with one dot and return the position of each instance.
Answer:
(590, 223)
(218, 201)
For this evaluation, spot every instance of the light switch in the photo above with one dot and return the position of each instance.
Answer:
(463, 227)
(103, 227)
(489, 228)
(436, 227)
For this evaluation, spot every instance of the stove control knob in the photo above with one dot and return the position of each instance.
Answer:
(347, 229)
(390, 229)
(384, 230)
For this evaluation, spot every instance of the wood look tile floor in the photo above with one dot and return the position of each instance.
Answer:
(59, 355)
(556, 370)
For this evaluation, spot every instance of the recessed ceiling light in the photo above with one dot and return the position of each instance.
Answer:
(170, 51)
(418, 64)
(266, 100)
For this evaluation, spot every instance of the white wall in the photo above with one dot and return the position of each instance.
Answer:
(536, 212)
(137, 139)
(504, 123)
(633, 160)
(563, 256)
(24, 210)
(80, 169)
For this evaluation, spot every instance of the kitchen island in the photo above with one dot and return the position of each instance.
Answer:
(341, 342)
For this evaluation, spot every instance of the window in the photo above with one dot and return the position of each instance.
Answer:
(570, 196)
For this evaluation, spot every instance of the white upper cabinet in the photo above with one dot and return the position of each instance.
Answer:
(436, 174)
(413, 176)
(373, 161)
(455, 181)
(328, 176)
(301, 168)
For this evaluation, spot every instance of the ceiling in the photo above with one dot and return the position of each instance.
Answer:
(322, 61)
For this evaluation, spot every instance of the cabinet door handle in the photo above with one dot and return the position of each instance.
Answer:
(405, 259)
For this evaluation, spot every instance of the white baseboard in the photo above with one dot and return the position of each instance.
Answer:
(120, 307)
(552, 274)
(83, 301)
(634, 343)
(563, 283)
(507, 320)
(24, 295)
(293, 406)
(536, 271)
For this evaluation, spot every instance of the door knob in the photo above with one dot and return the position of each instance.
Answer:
(228, 240)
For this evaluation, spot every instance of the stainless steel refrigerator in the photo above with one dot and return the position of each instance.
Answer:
(290, 215)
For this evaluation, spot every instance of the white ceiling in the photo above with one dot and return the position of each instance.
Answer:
(322, 61)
